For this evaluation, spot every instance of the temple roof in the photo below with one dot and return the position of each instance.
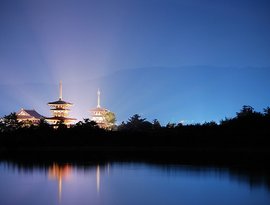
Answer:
(100, 109)
(60, 109)
(59, 102)
(60, 118)
(31, 113)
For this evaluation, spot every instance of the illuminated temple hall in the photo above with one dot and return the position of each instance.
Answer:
(28, 116)
(60, 110)
(98, 114)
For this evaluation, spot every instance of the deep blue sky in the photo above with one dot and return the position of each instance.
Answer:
(173, 60)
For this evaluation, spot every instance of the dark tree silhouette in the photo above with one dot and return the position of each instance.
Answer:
(10, 122)
(87, 124)
(156, 124)
(136, 123)
(43, 124)
(210, 124)
(2, 125)
(179, 125)
(61, 125)
(122, 126)
(246, 111)
(242, 136)
(266, 111)
(170, 125)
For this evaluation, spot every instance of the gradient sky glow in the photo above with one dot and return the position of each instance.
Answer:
(172, 60)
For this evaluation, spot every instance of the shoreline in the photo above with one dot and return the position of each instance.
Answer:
(166, 154)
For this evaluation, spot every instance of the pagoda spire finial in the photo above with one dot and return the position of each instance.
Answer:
(98, 100)
(60, 90)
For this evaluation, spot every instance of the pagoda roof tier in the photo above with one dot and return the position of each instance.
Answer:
(60, 109)
(60, 102)
(61, 118)
(99, 109)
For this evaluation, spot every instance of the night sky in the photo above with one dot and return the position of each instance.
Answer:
(174, 60)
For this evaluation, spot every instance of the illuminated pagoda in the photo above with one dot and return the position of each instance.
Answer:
(60, 111)
(99, 113)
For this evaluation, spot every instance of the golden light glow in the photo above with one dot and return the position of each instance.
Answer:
(98, 178)
(57, 172)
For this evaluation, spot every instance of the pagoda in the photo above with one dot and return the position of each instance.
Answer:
(98, 113)
(60, 111)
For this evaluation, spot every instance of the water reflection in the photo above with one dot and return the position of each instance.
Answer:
(59, 172)
(98, 179)
(130, 183)
(62, 172)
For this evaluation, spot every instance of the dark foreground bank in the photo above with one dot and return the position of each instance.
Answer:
(176, 155)
(244, 139)
(213, 145)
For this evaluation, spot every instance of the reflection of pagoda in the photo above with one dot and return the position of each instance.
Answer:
(98, 113)
(60, 111)
(59, 172)
(62, 172)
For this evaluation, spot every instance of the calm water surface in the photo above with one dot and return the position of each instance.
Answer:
(127, 184)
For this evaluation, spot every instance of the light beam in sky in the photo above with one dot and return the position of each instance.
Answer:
(170, 60)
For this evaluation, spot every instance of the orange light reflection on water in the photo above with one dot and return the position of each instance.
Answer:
(59, 172)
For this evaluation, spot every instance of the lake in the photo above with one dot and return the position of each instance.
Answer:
(128, 183)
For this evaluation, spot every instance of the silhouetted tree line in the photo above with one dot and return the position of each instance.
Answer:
(248, 129)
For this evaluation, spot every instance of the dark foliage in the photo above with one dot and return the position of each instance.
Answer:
(246, 136)
(137, 124)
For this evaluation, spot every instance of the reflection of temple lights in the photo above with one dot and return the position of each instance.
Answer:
(60, 189)
(98, 178)
(59, 172)
(108, 168)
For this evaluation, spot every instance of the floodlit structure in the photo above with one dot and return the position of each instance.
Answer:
(60, 111)
(99, 113)
(28, 116)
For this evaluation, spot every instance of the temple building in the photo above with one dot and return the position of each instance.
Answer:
(60, 111)
(100, 115)
(28, 116)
